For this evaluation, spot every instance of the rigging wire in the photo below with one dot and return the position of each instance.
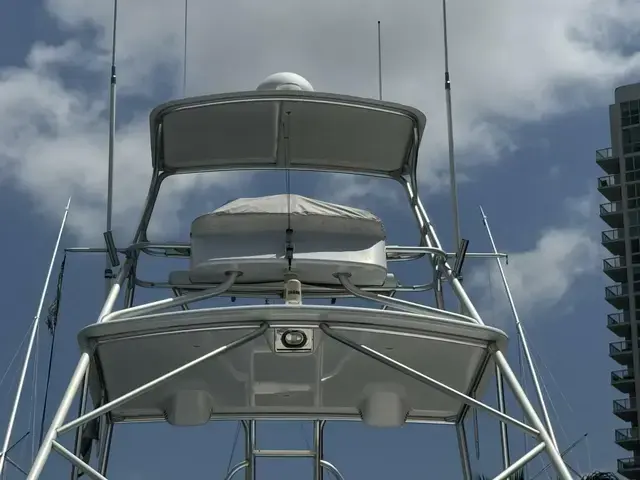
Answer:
(588, 448)
(13, 359)
(52, 325)
(539, 361)
(34, 395)
(233, 447)
(46, 388)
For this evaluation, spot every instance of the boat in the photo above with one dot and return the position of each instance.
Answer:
(292, 350)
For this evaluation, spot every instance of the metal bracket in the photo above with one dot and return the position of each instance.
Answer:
(112, 251)
(460, 257)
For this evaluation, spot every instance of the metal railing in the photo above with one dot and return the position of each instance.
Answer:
(619, 347)
(604, 154)
(626, 434)
(611, 207)
(609, 181)
(614, 262)
(613, 235)
(628, 463)
(624, 405)
(622, 375)
(618, 318)
(616, 291)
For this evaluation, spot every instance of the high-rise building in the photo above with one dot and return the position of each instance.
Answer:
(621, 188)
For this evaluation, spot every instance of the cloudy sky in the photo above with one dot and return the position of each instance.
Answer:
(531, 84)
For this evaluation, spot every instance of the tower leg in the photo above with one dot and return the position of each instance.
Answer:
(318, 448)
(75, 383)
(250, 449)
(464, 450)
(521, 396)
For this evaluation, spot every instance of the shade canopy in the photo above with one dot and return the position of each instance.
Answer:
(286, 129)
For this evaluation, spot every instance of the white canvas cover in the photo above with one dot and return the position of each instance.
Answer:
(262, 214)
(249, 235)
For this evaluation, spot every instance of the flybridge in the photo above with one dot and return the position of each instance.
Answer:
(389, 362)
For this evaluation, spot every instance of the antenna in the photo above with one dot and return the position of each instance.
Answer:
(452, 163)
(184, 60)
(34, 331)
(108, 273)
(379, 63)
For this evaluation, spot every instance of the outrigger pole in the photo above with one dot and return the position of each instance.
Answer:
(32, 338)
(523, 340)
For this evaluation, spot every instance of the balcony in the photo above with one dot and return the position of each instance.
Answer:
(609, 187)
(615, 268)
(625, 409)
(621, 352)
(629, 467)
(620, 323)
(611, 213)
(613, 240)
(627, 438)
(617, 296)
(606, 160)
(622, 380)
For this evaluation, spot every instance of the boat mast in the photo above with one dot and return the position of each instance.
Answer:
(108, 273)
(379, 63)
(504, 438)
(32, 338)
(184, 59)
(452, 163)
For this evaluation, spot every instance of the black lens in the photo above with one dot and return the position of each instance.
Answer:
(294, 339)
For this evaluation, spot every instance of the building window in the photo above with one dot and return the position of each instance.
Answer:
(632, 163)
(633, 192)
(634, 217)
(631, 140)
(630, 113)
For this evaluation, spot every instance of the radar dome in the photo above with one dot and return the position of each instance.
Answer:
(285, 81)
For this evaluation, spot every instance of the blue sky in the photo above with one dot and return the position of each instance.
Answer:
(532, 83)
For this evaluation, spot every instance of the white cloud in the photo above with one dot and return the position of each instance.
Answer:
(541, 277)
(511, 62)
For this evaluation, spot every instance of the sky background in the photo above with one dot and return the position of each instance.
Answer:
(532, 81)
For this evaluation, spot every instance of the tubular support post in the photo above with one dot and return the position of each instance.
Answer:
(174, 301)
(464, 450)
(236, 469)
(82, 408)
(504, 434)
(250, 449)
(552, 451)
(106, 448)
(521, 462)
(394, 302)
(89, 470)
(75, 383)
(318, 444)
